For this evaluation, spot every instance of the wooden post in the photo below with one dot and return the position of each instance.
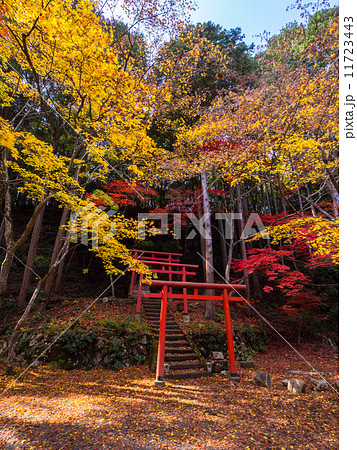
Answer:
(162, 336)
(186, 317)
(232, 359)
(185, 310)
(140, 290)
(131, 290)
(170, 275)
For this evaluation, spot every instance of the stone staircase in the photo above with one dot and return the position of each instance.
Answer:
(182, 360)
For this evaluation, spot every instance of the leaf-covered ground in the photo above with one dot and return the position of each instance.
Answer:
(123, 410)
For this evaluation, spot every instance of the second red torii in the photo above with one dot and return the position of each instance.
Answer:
(170, 272)
(151, 255)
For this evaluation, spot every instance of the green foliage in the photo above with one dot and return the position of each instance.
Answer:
(210, 336)
(294, 44)
(231, 42)
(59, 364)
(6, 329)
(308, 327)
(41, 262)
(252, 339)
(118, 351)
(326, 280)
(123, 337)
(76, 341)
(128, 329)
(119, 340)
(23, 343)
(10, 307)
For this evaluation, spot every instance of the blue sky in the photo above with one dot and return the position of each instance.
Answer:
(252, 16)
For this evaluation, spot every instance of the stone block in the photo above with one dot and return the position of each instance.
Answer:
(217, 355)
(319, 385)
(262, 378)
(247, 364)
(296, 386)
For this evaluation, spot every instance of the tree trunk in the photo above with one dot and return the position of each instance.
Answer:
(308, 192)
(300, 200)
(8, 231)
(268, 199)
(2, 230)
(283, 204)
(335, 199)
(4, 273)
(21, 321)
(31, 257)
(242, 243)
(223, 244)
(255, 279)
(112, 285)
(227, 273)
(203, 247)
(262, 194)
(208, 246)
(12, 247)
(274, 199)
(48, 288)
(60, 270)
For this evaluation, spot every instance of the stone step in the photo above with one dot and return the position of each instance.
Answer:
(186, 375)
(181, 343)
(186, 357)
(168, 328)
(184, 352)
(168, 333)
(171, 337)
(168, 342)
(184, 366)
(156, 329)
(178, 351)
(168, 324)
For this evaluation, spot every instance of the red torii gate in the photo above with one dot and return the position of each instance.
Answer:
(151, 255)
(170, 272)
(165, 295)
